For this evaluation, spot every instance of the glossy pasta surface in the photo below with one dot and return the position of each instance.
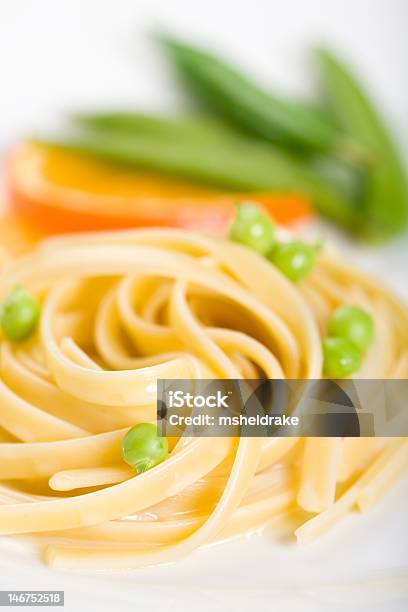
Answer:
(120, 310)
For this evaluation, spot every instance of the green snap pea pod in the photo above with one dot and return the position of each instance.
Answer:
(184, 129)
(235, 97)
(385, 200)
(228, 160)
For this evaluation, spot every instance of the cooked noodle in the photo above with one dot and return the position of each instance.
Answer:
(120, 310)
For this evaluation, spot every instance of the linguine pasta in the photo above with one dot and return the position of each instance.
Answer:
(120, 310)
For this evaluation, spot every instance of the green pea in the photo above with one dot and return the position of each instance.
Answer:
(353, 324)
(143, 448)
(294, 259)
(253, 229)
(340, 357)
(19, 314)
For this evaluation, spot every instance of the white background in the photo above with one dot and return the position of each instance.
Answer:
(61, 55)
